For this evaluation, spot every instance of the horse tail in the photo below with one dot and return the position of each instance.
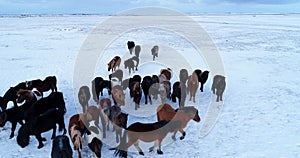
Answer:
(121, 150)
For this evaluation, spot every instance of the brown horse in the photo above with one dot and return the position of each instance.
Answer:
(104, 106)
(118, 95)
(146, 132)
(43, 86)
(184, 115)
(92, 114)
(77, 129)
(114, 63)
(219, 83)
(84, 96)
(28, 95)
(154, 51)
(167, 72)
(192, 86)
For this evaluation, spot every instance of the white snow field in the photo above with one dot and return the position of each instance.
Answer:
(260, 116)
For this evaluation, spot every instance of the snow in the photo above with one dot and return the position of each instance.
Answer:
(260, 54)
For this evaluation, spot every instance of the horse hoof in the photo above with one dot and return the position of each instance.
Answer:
(159, 152)
(181, 138)
(141, 153)
(151, 149)
(173, 137)
(10, 137)
(44, 139)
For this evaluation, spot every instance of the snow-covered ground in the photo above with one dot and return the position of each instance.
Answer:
(260, 53)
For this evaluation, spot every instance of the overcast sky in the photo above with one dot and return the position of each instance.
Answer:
(115, 6)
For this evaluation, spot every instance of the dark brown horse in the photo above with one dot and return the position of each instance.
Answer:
(130, 46)
(11, 95)
(192, 86)
(114, 63)
(77, 128)
(219, 84)
(28, 95)
(43, 86)
(136, 93)
(146, 132)
(184, 115)
(202, 77)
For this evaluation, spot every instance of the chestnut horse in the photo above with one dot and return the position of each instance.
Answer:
(77, 129)
(104, 106)
(192, 86)
(219, 84)
(184, 115)
(154, 51)
(114, 63)
(167, 72)
(118, 95)
(146, 132)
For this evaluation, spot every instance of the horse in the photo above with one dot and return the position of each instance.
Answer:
(43, 86)
(135, 93)
(11, 95)
(28, 95)
(15, 115)
(154, 51)
(137, 50)
(94, 142)
(146, 84)
(40, 124)
(54, 100)
(165, 91)
(78, 124)
(147, 132)
(92, 113)
(61, 147)
(120, 122)
(130, 46)
(219, 83)
(202, 77)
(117, 74)
(129, 63)
(104, 106)
(84, 96)
(114, 63)
(118, 95)
(98, 84)
(183, 75)
(167, 72)
(179, 91)
(192, 86)
(184, 115)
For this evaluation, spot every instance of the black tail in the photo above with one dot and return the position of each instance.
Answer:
(121, 150)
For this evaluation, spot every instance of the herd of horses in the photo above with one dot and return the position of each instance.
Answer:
(39, 113)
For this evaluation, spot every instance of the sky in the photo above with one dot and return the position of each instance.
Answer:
(116, 6)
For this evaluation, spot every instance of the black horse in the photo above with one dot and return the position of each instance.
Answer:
(40, 124)
(54, 100)
(98, 84)
(202, 77)
(61, 147)
(179, 91)
(11, 95)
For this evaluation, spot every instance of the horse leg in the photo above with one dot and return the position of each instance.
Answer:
(15, 103)
(194, 99)
(136, 145)
(154, 145)
(159, 147)
(173, 136)
(150, 99)
(201, 87)
(54, 132)
(136, 106)
(13, 128)
(183, 134)
(79, 153)
(40, 139)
